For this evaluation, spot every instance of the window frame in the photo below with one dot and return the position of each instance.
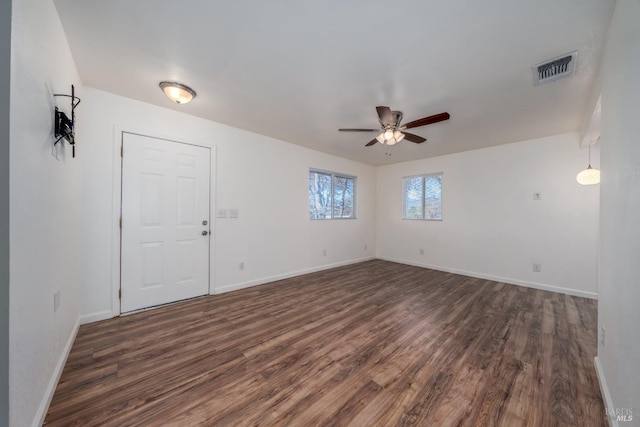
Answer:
(422, 196)
(333, 183)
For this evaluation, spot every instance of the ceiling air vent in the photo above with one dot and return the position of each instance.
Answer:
(554, 69)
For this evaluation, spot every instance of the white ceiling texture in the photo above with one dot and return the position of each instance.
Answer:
(299, 70)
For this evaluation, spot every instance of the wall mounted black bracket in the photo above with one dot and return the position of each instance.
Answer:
(64, 127)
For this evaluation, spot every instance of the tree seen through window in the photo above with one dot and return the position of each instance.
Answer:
(331, 195)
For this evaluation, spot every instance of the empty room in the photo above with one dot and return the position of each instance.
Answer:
(320, 213)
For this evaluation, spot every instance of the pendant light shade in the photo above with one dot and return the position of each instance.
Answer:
(177, 92)
(589, 176)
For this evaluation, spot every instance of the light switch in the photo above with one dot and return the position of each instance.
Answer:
(234, 213)
(221, 213)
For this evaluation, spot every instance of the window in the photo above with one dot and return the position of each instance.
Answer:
(423, 197)
(331, 195)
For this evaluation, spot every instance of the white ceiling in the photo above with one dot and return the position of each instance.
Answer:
(299, 70)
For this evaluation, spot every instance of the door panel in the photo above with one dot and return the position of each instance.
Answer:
(165, 199)
(187, 201)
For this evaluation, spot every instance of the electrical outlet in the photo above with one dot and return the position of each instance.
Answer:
(221, 213)
(365, 247)
(324, 252)
(234, 213)
(241, 266)
(537, 268)
(56, 301)
(421, 251)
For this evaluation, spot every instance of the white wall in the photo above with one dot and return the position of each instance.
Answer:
(5, 83)
(266, 179)
(492, 228)
(619, 302)
(44, 209)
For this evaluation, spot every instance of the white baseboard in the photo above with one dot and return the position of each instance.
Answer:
(288, 275)
(38, 420)
(541, 286)
(608, 402)
(95, 317)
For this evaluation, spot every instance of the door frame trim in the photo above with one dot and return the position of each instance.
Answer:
(116, 242)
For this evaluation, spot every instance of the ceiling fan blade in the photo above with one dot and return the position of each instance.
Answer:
(370, 143)
(385, 116)
(359, 130)
(414, 138)
(427, 121)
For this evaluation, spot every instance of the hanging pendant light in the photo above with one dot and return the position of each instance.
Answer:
(589, 176)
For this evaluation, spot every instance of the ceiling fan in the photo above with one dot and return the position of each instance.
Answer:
(391, 132)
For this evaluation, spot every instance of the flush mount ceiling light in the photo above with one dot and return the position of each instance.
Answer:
(589, 176)
(177, 92)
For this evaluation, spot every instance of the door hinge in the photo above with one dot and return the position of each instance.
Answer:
(120, 222)
(122, 151)
(119, 293)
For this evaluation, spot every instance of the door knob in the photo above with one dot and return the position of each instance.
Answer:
(204, 233)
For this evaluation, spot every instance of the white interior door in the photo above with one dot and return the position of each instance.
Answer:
(165, 221)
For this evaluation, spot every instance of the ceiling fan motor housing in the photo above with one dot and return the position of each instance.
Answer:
(397, 118)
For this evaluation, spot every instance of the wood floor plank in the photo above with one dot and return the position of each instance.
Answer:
(369, 344)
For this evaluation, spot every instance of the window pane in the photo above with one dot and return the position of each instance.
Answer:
(343, 197)
(433, 197)
(319, 195)
(413, 197)
(423, 197)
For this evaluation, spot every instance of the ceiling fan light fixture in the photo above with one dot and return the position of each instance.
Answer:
(177, 92)
(391, 133)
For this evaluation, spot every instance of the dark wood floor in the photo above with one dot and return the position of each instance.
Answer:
(372, 344)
